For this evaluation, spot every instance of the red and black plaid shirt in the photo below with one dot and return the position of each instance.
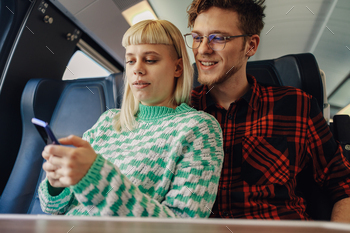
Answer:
(270, 135)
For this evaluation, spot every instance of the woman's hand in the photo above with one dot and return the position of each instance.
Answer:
(66, 166)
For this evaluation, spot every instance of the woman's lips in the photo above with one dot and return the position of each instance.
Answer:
(140, 85)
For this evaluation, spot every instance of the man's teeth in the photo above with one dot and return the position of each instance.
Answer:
(207, 63)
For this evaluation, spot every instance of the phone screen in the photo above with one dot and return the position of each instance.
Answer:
(45, 131)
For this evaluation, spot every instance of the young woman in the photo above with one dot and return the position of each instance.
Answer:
(154, 157)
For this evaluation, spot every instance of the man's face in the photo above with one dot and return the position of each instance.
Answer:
(215, 67)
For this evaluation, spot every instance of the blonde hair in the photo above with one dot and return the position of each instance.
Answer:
(154, 32)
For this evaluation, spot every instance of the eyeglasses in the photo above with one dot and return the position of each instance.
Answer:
(216, 42)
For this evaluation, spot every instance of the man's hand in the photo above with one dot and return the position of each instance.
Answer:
(66, 166)
(341, 211)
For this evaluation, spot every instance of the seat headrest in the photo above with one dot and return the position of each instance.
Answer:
(297, 70)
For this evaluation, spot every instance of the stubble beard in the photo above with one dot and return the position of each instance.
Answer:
(221, 78)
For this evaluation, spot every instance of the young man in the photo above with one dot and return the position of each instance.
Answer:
(271, 134)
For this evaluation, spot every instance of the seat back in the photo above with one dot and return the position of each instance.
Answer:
(71, 107)
(296, 70)
(341, 131)
(300, 71)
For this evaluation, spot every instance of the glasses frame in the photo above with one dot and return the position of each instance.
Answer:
(225, 37)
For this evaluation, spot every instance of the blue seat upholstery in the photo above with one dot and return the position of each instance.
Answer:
(71, 107)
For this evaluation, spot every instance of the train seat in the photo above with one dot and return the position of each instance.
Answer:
(301, 71)
(71, 107)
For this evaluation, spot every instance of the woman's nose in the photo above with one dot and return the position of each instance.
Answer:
(138, 70)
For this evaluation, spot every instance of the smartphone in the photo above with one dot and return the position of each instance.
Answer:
(45, 131)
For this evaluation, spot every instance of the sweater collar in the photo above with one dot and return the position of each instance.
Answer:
(156, 112)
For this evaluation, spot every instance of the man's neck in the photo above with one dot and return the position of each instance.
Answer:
(231, 90)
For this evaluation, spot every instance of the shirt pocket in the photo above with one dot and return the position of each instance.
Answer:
(265, 160)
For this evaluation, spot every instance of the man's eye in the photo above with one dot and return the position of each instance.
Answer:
(196, 37)
(130, 62)
(218, 39)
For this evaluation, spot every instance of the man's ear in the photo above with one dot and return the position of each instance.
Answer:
(252, 45)
(178, 68)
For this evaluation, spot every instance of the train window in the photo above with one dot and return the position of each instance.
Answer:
(83, 66)
(345, 110)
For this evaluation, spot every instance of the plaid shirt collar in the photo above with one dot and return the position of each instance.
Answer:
(251, 97)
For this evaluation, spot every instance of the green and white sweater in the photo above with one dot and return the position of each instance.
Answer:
(169, 166)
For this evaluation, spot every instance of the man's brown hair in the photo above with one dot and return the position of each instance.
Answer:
(250, 12)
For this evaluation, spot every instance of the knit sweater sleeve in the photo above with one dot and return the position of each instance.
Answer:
(194, 178)
(58, 204)
(64, 201)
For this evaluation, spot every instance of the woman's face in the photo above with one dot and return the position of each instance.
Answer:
(151, 70)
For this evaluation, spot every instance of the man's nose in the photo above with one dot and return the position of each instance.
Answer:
(204, 47)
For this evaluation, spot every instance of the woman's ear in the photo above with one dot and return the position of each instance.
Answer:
(178, 68)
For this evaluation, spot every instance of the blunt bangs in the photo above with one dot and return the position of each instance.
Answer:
(146, 32)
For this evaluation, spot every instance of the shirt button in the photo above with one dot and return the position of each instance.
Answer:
(223, 188)
(347, 147)
(225, 213)
(230, 117)
(227, 151)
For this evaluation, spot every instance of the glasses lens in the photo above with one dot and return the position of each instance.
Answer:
(217, 41)
(193, 40)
